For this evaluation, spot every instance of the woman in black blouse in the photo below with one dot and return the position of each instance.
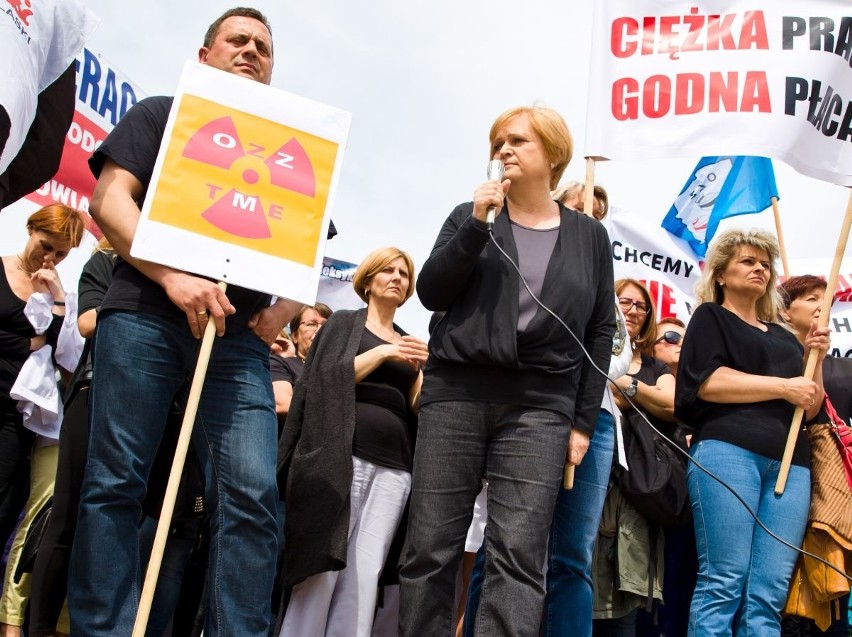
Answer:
(622, 585)
(350, 433)
(53, 231)
(739, 382)
(802, 297)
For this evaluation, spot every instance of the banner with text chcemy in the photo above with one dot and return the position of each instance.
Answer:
(669, 270)
(723, 77)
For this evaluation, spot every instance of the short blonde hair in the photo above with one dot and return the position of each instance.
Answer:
(722, 250)
(373, 263)
(550, 127)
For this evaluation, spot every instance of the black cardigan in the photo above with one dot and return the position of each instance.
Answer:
(315, 454)
(315, 451)
(475, 350)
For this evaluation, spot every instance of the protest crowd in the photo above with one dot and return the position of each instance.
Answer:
(524, 472)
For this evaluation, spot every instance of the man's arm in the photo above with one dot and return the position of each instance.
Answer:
(114, 209)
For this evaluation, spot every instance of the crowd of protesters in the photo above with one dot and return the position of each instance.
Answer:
(341, 469)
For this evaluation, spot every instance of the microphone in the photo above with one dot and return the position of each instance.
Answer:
(495, 173)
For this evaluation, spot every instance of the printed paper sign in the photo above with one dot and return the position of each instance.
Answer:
(243, 184)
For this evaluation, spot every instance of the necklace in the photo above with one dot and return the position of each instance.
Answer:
(23, 268)
(380, 328)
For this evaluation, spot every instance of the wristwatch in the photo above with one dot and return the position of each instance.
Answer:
(632, 388)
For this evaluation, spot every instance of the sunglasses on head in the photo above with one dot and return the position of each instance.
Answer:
(670, 337)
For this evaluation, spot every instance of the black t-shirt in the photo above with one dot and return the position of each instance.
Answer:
(650, 370)
(15, 334)
(134, 144)
(285, 369)
(719, 338)
(382, 434)
(94, 280)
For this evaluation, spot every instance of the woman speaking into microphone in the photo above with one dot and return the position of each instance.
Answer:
(508, 394)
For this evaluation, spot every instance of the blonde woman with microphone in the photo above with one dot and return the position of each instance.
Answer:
(508, 393)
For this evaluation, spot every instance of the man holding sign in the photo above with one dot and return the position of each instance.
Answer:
(144, 351)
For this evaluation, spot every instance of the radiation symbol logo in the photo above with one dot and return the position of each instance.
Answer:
(218, 145)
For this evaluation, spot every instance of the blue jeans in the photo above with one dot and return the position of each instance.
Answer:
(521, 451)
(743, 573)
(140, 363)
(576, 518)
(568, 605)
(175, 559)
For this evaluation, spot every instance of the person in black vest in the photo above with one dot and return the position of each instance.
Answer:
(627, 580)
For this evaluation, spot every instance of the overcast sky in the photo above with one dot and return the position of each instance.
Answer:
(424, 81)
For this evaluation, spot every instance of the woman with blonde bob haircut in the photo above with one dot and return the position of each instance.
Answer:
(739, 381)
(555, 137)
(508, 394)
(350, 433)
(374, 263)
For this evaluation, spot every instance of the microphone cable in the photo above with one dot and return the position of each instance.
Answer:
(668, 441)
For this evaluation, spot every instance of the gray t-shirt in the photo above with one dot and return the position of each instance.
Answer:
(534, 250)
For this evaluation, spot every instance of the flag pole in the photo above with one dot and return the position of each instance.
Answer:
(810, 366)
(588, 208)
(589, 188)
(165, 522)
(780, 236)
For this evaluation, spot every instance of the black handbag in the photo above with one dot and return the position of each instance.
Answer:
(655, 481)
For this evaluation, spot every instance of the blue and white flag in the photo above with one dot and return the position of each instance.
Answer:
(718, 188)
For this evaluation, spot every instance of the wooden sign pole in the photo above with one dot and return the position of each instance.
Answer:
(165, 522)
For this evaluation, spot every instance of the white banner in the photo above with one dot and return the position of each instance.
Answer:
(723, 77)
(666, 264)
(335, 285)
(38, 41)
(104, 94)
(669, 269)
(243, 183)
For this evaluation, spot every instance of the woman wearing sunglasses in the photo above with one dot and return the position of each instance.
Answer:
(670, 333)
